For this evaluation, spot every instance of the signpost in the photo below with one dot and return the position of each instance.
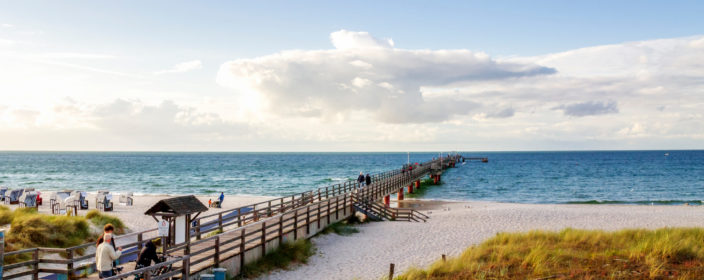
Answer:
(163, 227)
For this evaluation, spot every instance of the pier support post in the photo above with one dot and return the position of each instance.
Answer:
(400, 194)
(387, 200)
(418, 184)
(410, 188)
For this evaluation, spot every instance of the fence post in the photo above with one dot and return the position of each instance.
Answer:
(308, 221)
(281, 229)
(391, 272)
(186, 270)
(242, 252)
(198, 229)
(217, 251)
(35, 259)
(2, 250)
(220, 221)
(239, 218)
(295, 225)
(263, 238)
(69, 266)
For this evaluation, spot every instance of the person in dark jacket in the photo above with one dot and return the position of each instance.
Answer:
(368, 179)
(147, 255)
(360, 178)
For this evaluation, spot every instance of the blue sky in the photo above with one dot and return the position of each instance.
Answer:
(95, 55)
(255, 28)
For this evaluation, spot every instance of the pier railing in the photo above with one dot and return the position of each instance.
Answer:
(257, 227)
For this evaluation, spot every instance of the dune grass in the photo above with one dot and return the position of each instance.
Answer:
(99, 219)
(672, 253)
(29, 229)
(281, 258)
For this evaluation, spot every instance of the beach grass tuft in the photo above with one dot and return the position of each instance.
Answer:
(672, 253)
(99, 219)
(281, 258)
(340, 228)
(30, 229)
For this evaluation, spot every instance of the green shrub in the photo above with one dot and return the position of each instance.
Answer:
(99, 219)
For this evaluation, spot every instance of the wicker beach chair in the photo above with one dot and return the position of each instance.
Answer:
(56, 198)
(14, 196)
(103, 201)
(127, 198)
(29, 199)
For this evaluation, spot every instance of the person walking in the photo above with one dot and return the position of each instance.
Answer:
(360, 178)
(105, 255)
(368, 180)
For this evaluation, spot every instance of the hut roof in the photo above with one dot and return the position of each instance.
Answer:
(177, 206)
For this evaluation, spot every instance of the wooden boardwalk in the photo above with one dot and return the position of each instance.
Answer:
(250, 231)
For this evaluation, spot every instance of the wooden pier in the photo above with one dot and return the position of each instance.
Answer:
(247, 233)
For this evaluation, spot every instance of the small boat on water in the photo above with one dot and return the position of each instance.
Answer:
(667, 154)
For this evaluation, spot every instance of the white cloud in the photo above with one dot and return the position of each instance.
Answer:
(6, 25)
(365, 74)
(345, 39)
(182, 67)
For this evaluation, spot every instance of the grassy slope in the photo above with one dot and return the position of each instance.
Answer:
(30, 229)
(672, 253)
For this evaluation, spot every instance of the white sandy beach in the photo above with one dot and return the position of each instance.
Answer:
(367, 255)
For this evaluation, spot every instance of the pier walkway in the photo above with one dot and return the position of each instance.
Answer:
(232, 238)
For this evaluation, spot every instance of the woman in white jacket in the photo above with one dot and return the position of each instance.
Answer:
(104, 256)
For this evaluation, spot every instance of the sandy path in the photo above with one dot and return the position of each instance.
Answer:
(367, 255)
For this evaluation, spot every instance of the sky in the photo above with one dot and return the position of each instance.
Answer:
(351, 76)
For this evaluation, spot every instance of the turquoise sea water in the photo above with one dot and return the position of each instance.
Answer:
(642, 177)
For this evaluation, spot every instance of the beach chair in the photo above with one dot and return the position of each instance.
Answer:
(69, 205)
(3, 191)
(56, 198)
(14, 197)
(29, 199)
(127, 198)
(82, 200)
(103, 201)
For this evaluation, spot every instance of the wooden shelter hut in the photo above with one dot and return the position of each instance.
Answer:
(179, 213)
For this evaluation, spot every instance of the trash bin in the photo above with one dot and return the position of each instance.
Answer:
(219, 273)
(207, 277)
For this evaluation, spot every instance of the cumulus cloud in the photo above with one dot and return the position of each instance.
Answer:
(182, 67)
(370, 75)
(590, 108)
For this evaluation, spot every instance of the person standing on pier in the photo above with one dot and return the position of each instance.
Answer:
(105, 255)
(360, 178)
(368, 180)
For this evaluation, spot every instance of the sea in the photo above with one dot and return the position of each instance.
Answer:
(596, 177)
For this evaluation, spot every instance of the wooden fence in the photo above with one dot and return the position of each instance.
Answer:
(247, 232)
